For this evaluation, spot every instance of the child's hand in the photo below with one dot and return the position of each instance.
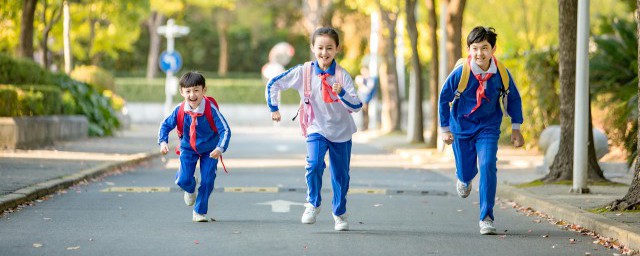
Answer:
(447, 137)
(337, 88)
(164, 149)
(215, 154)
(516, 138)
(275, 116)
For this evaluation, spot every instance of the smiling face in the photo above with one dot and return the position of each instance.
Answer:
(193, 95)
(324, 48)
(481, 54)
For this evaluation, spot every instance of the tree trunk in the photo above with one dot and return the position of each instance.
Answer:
(433, 74)
(223, 61)
(455, 9)
(415, 98)
(594, 173)
(562, 167)
(632, 198)
(155, 20)
(389, 87)
(56, 14)
(68, 65)
(26, 29)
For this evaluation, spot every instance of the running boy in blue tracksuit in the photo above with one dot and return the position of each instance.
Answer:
(206, 136)
(472, 122)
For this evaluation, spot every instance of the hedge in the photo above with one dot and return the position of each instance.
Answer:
(241, 90)
(75, 97)
(30, 100)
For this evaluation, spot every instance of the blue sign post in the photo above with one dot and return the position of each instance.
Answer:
(170, 62)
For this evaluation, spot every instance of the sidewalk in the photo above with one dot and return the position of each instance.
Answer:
(517, 166)
(26, 175)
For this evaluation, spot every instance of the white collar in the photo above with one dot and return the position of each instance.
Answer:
(199, 109)
(477, 70)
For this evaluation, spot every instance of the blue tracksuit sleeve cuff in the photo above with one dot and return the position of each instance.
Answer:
(273, 108)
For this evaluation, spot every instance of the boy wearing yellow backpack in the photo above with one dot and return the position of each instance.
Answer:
(470, 118)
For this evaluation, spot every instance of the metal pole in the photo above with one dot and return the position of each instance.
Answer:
(373, 66)
(581, 126)
(442, 69)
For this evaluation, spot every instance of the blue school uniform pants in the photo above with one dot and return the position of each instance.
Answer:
(185, 177)
(479, 152)
(339, 159)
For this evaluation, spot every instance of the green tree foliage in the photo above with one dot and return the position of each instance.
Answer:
(614, 78)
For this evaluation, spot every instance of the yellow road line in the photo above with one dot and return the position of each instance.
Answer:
(136, 189)
(251, 190)
(367, 191)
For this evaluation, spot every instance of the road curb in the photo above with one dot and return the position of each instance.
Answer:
(625, 234)
(38, 190)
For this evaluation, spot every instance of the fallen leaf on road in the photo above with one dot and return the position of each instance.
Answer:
(536, 220)
(196, 242)
(90, 239)
(377, 205)
(459, 210)
(545, 236)
(37, 245)
(73, 248)
(529, 231)
(503, 236)
(572, 241)
(618, 214)
(212, 219)
(587, 253)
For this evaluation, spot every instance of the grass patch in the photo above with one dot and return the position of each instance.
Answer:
(601, 210)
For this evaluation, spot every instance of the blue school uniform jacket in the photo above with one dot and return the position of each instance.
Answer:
(488, 117)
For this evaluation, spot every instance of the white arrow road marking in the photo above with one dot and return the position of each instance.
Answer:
(280, 205)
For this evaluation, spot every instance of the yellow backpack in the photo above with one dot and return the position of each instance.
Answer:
(464, 80)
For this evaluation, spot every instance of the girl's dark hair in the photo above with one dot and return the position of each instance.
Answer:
(191, 79)
(331, 32)
(480, 33)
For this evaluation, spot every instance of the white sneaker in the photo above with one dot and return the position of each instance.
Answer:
(341, 222)
(190, 198)
(199, 217)
(310, 213)
(486, 227)
(463, 189)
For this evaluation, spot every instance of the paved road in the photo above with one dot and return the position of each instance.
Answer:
(395, 207)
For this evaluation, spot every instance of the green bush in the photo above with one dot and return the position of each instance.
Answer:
(37, 100)
(21, 71)
(239, 90)
(69, 106)
(8, 100)
(88, 101)
(95, 76)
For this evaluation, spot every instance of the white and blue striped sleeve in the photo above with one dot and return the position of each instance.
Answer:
(168, 124)
(223, 129)
(291, 78)
(348, 95)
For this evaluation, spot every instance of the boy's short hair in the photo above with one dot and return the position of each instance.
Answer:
(331, 32)
(192, 79)
(480, 33)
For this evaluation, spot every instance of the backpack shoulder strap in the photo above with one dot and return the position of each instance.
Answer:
(464, 79)
(180, 120)
(504, 75)
(306, 79)
(209, 113)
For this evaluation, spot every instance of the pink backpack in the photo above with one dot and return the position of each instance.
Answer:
(305, 110)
